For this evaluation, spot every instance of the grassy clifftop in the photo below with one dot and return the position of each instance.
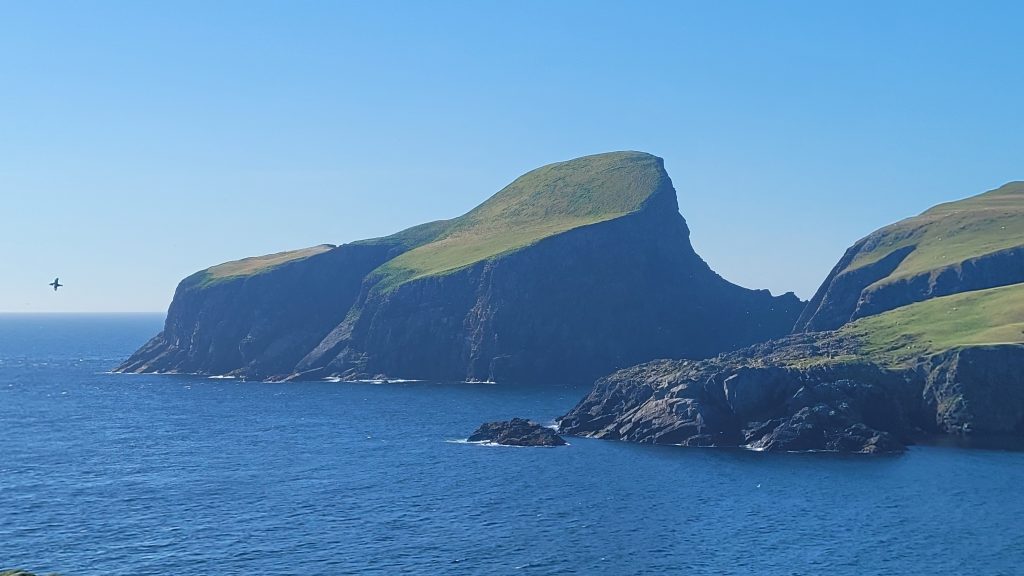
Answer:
(254, 265)
(897, 337)
(541, 203)
(950, 233)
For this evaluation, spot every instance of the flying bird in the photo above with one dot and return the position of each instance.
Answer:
(56, 284)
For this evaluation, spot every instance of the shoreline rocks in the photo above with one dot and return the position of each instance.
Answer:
(516, 432)
(761, 399)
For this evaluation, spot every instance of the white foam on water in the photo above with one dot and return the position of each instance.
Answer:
(337, 379)
(495, 444)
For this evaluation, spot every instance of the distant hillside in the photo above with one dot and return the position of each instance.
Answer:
(971, 244)
(571, 271)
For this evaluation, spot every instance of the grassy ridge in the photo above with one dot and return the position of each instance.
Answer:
(541, 203)
(993, 316)
(951, 233)
(258, 264)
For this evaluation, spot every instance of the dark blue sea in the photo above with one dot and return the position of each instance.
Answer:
(104, 474)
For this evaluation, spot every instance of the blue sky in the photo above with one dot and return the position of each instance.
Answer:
(142, 141)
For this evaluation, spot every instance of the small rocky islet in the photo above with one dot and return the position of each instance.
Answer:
(516, 432)
(583, 271)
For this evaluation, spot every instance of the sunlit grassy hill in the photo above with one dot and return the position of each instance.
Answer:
(950, 233)
(981, 317)
(541, 203)
(971, 244)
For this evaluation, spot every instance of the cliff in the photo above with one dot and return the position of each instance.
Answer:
(918, 330)
(572, 271)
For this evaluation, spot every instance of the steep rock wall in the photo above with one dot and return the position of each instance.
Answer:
(569, 308)
(258, 325)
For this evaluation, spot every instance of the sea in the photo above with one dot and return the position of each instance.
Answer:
(111, 474)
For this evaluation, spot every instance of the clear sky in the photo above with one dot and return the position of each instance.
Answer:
(142, 141)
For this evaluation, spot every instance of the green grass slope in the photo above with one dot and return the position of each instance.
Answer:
(898, 337)
(255, 264)
(950, 233)
(541, 203)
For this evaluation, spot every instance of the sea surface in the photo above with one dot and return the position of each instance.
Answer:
(106, 474)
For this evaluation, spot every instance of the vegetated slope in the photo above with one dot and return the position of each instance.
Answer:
(257, 264)
(900, 337)
(970, 244)
(571, 271)
(541, 203)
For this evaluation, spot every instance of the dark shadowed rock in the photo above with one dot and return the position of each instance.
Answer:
(516, 432)
(739, 400)
(976, 390)
(771, 397)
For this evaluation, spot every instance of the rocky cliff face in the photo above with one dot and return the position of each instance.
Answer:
(976, 390)
(572, 307)
(576, 278)
(742, 400)
(258, 324)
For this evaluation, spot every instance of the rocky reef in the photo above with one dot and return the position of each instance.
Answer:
(573, 271)
(516, 432)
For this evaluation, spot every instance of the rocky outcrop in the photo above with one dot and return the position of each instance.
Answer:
(723, 403)
(977, 390)
(516, 432)
(757, 398)
(617, 283)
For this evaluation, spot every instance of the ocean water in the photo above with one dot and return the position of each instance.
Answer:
(105, 474)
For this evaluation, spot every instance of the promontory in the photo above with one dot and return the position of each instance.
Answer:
(572, 271)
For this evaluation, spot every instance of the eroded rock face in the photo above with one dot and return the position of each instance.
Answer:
(516, 432)
(713, 403)
(977, 390)
(756, 398)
